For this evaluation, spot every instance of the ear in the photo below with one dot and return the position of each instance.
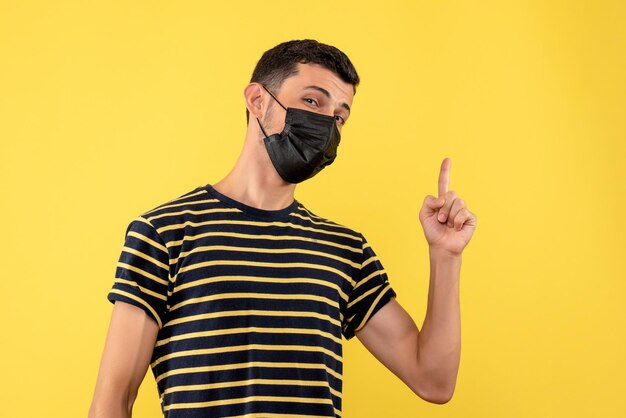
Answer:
(254, 100)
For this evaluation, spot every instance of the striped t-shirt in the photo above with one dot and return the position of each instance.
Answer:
(251, 304)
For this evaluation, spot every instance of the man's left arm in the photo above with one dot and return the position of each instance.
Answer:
(428, 361)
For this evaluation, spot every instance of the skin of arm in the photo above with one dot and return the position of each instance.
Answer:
(427, 361)
(125, 360)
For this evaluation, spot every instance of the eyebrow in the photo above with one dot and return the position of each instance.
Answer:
(327, 94)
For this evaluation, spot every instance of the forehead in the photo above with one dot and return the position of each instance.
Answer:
(316, 75)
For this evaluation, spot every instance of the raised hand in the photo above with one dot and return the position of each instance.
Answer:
(448, 224)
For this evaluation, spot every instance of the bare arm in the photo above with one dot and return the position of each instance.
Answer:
(125, 360)
(426, 361)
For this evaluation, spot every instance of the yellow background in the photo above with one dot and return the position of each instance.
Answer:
(110, 108)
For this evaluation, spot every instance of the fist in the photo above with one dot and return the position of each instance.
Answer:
(447, 222)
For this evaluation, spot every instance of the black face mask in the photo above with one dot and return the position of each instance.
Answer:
(307, 144)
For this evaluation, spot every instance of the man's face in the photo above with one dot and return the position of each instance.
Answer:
(313, 88)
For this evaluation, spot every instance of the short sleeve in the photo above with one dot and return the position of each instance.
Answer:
(142, 273)
(371, 291)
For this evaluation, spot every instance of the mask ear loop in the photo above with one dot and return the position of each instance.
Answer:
(274, 97)
(262, 130)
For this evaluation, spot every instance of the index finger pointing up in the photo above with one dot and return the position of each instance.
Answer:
(444, 176)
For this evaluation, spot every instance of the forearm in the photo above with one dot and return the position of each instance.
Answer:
(439, 340)
(111, 406)
(108, 411)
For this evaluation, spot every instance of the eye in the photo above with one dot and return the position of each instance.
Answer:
(340, 119)
(310, 101)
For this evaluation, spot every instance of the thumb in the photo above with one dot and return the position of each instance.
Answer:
(434, 202)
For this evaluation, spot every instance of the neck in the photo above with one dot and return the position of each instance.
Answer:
(254, 180)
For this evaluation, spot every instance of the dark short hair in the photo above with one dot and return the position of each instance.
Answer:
(281, 62)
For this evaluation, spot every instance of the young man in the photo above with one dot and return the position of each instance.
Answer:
(238, 296)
